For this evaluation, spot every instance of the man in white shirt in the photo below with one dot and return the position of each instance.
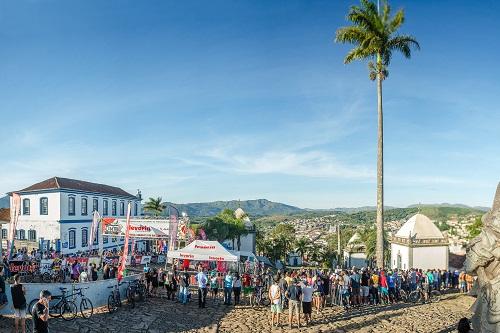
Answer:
(202, 280)
(275, 298)
(307, 296)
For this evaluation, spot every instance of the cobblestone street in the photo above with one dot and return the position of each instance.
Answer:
(161, 315)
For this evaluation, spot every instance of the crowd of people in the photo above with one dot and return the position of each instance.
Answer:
(302, 291)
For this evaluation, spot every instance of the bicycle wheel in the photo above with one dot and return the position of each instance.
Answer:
(46, 277)
(118, 299)
(414, 296)
(69, 310)
(86, 308)
(55, 309)
(130, 298)
(435, 296)
(111, 304)
(403, 296)
(28, 278)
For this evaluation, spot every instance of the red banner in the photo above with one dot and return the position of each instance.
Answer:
(125, 246)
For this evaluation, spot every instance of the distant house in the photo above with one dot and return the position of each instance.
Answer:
(294, 259)
(4, 220)
(57, 212)
(355, 252)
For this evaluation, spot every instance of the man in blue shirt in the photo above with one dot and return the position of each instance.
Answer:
(202, 280)
(391, 283)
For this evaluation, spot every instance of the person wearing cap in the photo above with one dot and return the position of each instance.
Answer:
(40, 313)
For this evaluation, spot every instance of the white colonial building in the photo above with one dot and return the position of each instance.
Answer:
(57, 213)
(419, 244)
(355, 252)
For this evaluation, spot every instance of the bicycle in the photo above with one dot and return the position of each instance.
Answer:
(132, 293)
(86, 307)
(261, 298)
(60, 308)
(114, 301)
(419, 295)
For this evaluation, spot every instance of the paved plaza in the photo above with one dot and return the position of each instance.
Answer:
(160, 315)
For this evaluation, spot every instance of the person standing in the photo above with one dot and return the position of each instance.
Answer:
(40, 313)
(307, 297)
(183, 286)
(294, 296)
(228, 288)
(18, 293)
(3, 296)
(201, 278)
(236, 288)
(275, 298)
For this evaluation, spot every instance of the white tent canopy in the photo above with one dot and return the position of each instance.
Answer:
(203, 251)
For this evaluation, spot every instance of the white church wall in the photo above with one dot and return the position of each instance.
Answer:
(403, 251)
(432, 257)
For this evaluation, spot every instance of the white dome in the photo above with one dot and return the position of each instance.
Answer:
(420, 226)
(239, 213)
(356, 238)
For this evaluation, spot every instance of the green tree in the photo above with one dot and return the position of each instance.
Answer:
(370, 239)
(283, 238)
(154, 206)
(225, 226)
(375, 36)
(475, 228)
(302, 245)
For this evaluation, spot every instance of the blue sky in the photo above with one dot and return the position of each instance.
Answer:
(217, 100)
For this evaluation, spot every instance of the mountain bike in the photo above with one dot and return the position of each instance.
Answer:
(59, 306)
(86, 307)
(419, 295)
(114, 301)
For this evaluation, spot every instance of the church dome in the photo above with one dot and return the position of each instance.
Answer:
(419, 227)
(356, 238)
(239, 213)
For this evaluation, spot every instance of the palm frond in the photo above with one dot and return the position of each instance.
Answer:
(397, 21)
(358, 53)
(404, 44)
(351, 34)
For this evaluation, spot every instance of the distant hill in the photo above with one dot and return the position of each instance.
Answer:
(259, 207)
(484, 209)
(5, 202)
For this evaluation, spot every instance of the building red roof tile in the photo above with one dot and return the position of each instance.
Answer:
(73, 184)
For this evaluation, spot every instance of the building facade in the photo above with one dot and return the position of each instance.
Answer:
(419, 244)
(355, 252)
(57, 213)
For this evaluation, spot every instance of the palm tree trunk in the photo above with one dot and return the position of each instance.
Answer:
(380, 178)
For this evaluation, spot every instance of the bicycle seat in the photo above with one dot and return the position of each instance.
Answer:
(63, 289)
(111, 287)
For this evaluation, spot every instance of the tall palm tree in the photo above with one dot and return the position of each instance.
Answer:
(154, 206)
(302, 245)
(375, 36)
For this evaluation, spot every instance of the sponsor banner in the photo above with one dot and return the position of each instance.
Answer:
(18, 266)
(95, 261)
(82, 260)
(139, 228)
(145, 260)
(46, 265)
(161, 259)
(112, 260)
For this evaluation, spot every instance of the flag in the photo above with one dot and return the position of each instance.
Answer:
(14, 216)
(125, 246)
(94, 227)
(172, 228)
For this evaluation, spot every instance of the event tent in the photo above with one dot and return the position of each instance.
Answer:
(201, 250)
